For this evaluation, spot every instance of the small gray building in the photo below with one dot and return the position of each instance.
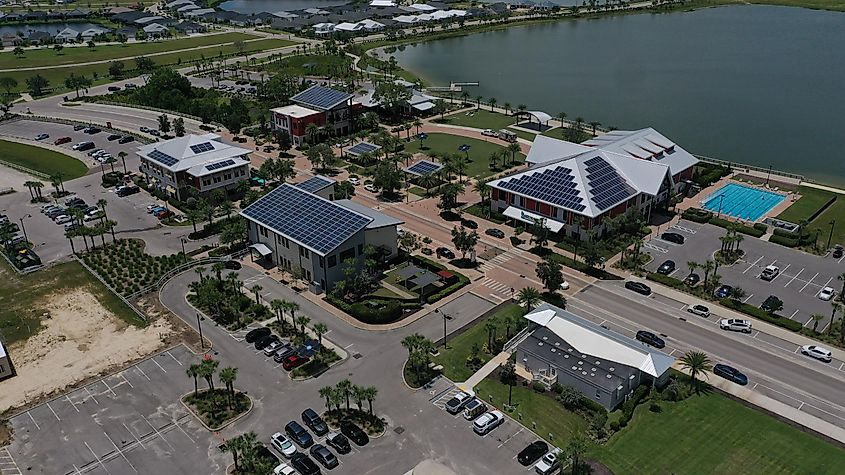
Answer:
(561, 347)
(319, 185)
(6, 368)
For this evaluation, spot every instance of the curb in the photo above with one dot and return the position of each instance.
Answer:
(227, 423)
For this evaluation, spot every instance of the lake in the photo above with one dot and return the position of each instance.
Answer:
(272, 6)
(52, 28)
(753, 84)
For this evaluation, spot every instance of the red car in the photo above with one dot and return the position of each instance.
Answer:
(61, 140)
(164, 214)
(294, 361)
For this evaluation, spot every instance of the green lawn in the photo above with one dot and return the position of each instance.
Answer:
(713, 434)
(484, 119)
(551, 417)
(42, 160)
(479, 153)
(48, 57)
(310, 65)
(811, 200)
(454, 359)
(22, 297)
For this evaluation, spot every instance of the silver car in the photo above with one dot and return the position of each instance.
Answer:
(735, 324)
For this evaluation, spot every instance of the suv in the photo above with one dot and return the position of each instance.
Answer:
(817, 352)
(650, 338)
(769, 273)
(298, 434)
(735, 324)
(474, 409)
(771, 304)
(339, 442)
(304, 465)
(273, 347)
(673, 237)
(314, 422)
(283, 444)
(458, 401)
(283, 352)
(257, 333)
(487, 422)
(699, 310)
(445, 252)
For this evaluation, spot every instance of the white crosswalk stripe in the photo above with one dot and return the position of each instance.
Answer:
(495, 262)
(444, 398)
(7, 463)
(496, 286)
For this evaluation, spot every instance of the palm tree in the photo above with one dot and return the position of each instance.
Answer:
(344, 387)
(529, 296)
(122, 156)
(507, 106)
(217, 268)
(256, 289)
(320, 329)
(464, 96)
(412, 342)
(490, 326)
(200, 270)
(277, 306)
(696, 362)
(842, 292)
(737, 293)
(417, 123)
(707, 268)
(358, 396)
(292, 308)
(594, 124)
(193, 372)
(562, 117)
(478, 102)
(370, 393)
(692, 266)
(484, 191)
(207, 369)
(227, 377)
(492, 102)
(816, 317)
(234, 445)
(575, 449)
(311, 132)
(326, 392)
(102, 203)
(303, 322)
(835, 308)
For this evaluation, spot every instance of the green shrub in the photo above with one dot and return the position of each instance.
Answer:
(628, 406)
(697, 215)
(388, 312)
(666, 280)
(784, 241)
(539, 387)
(761, 227)
(724, 223)
(784, 233)
(557, 388)
(762, 314)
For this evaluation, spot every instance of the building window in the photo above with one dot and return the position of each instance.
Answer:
(332, 260)
(360, 249)
(227, 176)
(206, 182)
(304, 252)
(217, 179)
(263, 231)
(322, 262)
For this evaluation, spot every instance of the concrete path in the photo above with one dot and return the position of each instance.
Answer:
(485, 371)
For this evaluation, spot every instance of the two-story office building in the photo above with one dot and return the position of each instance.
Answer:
(202, 162)
(318, 105)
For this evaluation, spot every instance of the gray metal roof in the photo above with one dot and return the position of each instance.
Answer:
(315, 184)
(379, 220)
(320, 97)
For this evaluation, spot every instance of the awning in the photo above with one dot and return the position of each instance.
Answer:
(423, 106)
(528, 217)
(261, 249)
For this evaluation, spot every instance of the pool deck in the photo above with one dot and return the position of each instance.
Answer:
(697, 200)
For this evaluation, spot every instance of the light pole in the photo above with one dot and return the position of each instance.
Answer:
(199, 327)
(721, 197)
(445, 318)
(23, 228)
(185, 256)
(830, 236)
(767, 175)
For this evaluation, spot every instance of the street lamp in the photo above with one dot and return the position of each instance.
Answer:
(721, 197)
(830, 236)
(767, 175)
(23, 228)
(185, 256)
(445, 318)
(199, 327)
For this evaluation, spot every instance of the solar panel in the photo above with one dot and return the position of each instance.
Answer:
(362, 148)
(202, 147)
(306, 218)
(218, 165)
(605, 185)
(423, 168)
(321, 97)
(556, 186)
(314, 184)
(162, 158)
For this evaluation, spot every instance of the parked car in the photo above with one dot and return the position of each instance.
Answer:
(564, 285)
(166, 214)
(457, 402)
(92, 130)
(730, 373)
(638, 287)
(126, 139)
(284, 469)
(62, 219)
(487, 422)
(673, 237)
(817, 352)
(42, 136)
(283, 352)
(354, 433)
(699, 310)
(257, 333)
(445, 253)
(114, 88)
(324, 456)
(339, 442)
(692, 280)
(548, 464)
(144, 129)
(769, 273)
(724, 291)
(496, 233)
(155, 133)
(355, 181)
(304, 465)
(61, 140)
(489, 133)
(232, 265)
(283, 444)
(666, 268)
(127, 190)
(314, 422)
(735, 324)
(83, 146)
(771, 304)
(838, 251)
(79, 127)
(113, 137)
(650, 338)
(827, 293)
(294, 361)
(271, 349)
(369, 187)
(532, 453)
(474, 408)
(468, 223)
(298, 434)
(130, 85)
(265, 341)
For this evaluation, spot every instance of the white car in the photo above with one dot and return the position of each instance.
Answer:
(827, 293)
(769, 273)
(90, 217)
(735, 324)
(272, 347)
(62, 219)
(817, 352)
(564, 285)
(548, 464)
(457, 402)
(354, 181)
(487, 422)
(489, 132)
(369, 187)
(699, 310)
(284, 469)
(283, 444)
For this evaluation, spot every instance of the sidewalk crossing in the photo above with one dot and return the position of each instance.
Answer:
(497, 287)
(7, 463)
(495, 262)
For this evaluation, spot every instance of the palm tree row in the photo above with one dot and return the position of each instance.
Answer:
(345, 391)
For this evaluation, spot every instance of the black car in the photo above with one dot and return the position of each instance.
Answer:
(650, 338)
(114, 88)
(264, 341)
(771, 304)
(304, 465)
(354, 433)
(298, 434)
(79, 127)
(673, 237)
(256, 334)
(838, 251)
(723, 291)
(113, 137)
(692, 280)
(339, 442)
(324, 456)
(232, 265)
(532, 453)
(92, 130)
(730, 373)
(666, 268)
(638, 287)
(314, 422)
(445, 252)
(468, 223)
(126, 139)
(496, 233)
(127, 190)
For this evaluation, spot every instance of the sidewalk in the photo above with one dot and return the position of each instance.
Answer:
(485, 371)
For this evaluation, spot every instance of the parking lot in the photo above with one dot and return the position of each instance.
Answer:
(802, 276)
(114, 425)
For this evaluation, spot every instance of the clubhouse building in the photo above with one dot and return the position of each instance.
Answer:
(318, 105)
(574, 188)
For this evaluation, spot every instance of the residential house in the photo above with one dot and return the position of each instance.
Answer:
(68, 35)
(190, 27)
(318, 105)
(156, 30)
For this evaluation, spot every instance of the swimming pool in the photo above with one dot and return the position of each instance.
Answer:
(743, 202)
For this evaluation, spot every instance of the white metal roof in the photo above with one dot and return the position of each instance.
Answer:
(380, 219)
(2, 350)
(545, 149)
(186, 158)
(294, 110)
(591, 339)
(647, 144)
(539, 115)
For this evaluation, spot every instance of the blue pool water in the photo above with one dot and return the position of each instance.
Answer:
(743, 202)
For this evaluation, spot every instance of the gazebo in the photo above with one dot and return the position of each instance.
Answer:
(542, 124)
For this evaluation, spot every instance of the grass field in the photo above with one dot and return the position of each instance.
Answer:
(811, 201)
(311, 65)
(22, 297)
(42, 160)
(484, 119)
(454, 359)
(70, 55)
(479, 153)
(713, 434)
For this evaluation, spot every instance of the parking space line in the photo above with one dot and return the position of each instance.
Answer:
(823, 286)
(92, 395)
(67, 396)
(134, 436)
(33, 420)
(747, 298)
(176, 423)
(753, 265)
(808, 321)
(781, 273)
(841, 365)
(808, 282)
(143, 372)
(794, 277)
(95, 456)
(157, 431)
(794, 313)
(120, 452)
(159, 366)
(522, 428)
(174, 358)
(123, 375)
(54, 412)
(109, 387)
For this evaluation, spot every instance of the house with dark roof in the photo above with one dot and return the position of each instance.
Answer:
(316, 105)
(39, 37)
(77, 14)
(130, 16)
(190, 27)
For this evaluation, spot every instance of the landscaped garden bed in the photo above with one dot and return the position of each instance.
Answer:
(217, 407)
(222, 299)
(126, 268)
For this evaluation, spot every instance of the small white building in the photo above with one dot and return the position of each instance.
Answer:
(6, 368)
(323, 29)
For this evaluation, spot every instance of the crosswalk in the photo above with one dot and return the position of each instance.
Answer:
(496, 286)
(7, 464)
(495, 262)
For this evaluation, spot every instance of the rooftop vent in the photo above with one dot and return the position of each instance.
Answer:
(539, 343)
(592, 374)
(608, 376)
(575, 368)
(612, 368)
(557, 343)
(554, 350)
(593, 370)
(598, 362)
(545, 338)
(566, 356)
(584, 373)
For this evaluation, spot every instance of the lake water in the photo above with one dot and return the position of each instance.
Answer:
(753, 84)
(272, 6)
(52, 28)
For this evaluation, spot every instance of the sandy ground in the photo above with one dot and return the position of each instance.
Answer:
(11, 178)
(80, 339)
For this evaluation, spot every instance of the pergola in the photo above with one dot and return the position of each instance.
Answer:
(542, 120)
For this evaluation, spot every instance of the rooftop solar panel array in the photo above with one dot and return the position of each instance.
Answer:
(219, 165)
(314, 184)
(424, 167)
(320, 97)
(362, 148)
(556, 186)
(162, 158)
(306, 218)
(605, 186)
(202, 147)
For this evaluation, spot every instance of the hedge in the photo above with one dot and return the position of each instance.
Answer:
(628, 406)
(724, 223)
(666, 280)
(784, 233)
(761, 314)
(390, 312)
(697, 215)
(761, 227)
